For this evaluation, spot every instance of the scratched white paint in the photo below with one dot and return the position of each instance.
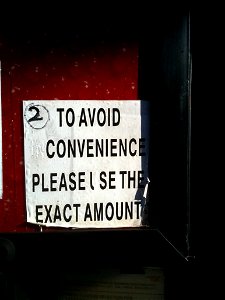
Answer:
(75, 190)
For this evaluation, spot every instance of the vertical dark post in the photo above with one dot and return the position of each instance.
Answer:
(164, 80)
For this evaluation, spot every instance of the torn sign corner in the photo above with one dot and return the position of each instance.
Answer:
(145, 208)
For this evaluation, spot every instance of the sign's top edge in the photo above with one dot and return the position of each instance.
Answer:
(99, 100)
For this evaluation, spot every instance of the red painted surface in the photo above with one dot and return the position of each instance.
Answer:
(33, 69)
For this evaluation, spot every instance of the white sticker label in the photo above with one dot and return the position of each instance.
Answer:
(86, 162)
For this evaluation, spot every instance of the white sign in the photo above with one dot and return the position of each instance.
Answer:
(86, 162)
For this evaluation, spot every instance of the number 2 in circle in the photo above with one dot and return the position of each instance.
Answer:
(36, 115)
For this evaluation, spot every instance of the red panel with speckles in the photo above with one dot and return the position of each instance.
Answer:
(71, 63)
